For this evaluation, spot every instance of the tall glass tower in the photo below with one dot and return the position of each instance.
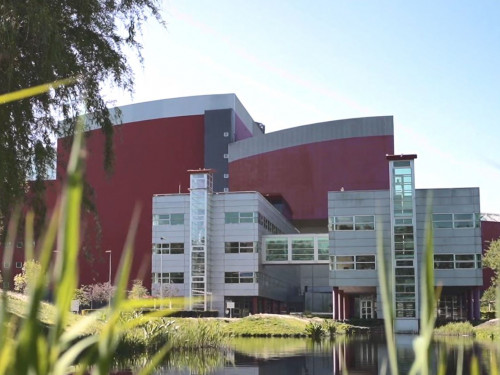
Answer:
(403, 241)
(201, 189)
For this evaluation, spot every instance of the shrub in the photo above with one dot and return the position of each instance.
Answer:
(315, 330)
(455, 329)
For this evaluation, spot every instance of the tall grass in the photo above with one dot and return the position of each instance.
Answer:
(29, 346)
(429, 295)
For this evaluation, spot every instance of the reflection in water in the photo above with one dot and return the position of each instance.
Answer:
(359, 356)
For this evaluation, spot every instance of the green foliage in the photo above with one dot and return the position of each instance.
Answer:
(455, 329)
(488, 299)
(138, 290)
(260, 326)
(28, 345)
(199, 333)
(315, 330)
(492, 260)
(48, 41)
(24, 281)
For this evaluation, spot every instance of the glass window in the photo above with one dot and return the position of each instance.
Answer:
(277, 249)
(364, 222)
(177, 277)
(231, 277)
(176, 219)
(343, 223)
(344, 262)
(365, 262)
(239, 247)
(246, 217)
(464, 220)
(246, 277)
(231, 218)
(443, 261)
(168, 248)
(232, 247)
(169, 277)
(168, 219)
(240, 277)
(240, 217)
(303, 249)
(176, 248)
(465, 261)
(323, 248)
(403, 163)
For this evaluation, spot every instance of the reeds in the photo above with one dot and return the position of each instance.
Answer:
(29, 346)
(429, 295)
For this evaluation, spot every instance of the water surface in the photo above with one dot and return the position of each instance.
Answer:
(359, 356)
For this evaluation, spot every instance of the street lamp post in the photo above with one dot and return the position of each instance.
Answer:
(109, 276)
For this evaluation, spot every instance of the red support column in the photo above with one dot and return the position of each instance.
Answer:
(477, 303)
(255, 305)
(341, 305)
(470, 305)
(334, 302)
(347, 305)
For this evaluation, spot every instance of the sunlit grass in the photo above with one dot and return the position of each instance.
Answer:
(36, 338)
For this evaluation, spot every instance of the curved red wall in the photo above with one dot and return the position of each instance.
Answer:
(151, 157)
(304, 174)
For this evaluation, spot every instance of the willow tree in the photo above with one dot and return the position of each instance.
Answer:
(49, 40)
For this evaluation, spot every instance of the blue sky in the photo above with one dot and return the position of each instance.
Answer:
(433, 65)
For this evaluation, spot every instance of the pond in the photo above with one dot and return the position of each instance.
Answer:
(362, 355)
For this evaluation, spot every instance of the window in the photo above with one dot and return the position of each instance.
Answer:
(323, 248)
(365, 262)
(364, 222)
(240, 277)
(19, 264)
(226, 190)
(404, 246)
(168, 219)
(168, 248)
(268, 225)
(456, 261)
(19, 244)
(303, 249)
(352, 262)
(6, 265)
(226, 156)
(463, 220)
(464, 261)
(168, 278)
(344, 262)
(240, 247)
(343, 223)
(226, 175)
(240, 217)
(479, 260)
(277, 250)
(226, 134)
(457, 221)
(359, 222)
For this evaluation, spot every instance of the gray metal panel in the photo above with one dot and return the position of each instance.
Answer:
(174, 107)
(218, 122)
(320, 132)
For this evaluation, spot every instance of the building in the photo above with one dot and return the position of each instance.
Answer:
(283, 194)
